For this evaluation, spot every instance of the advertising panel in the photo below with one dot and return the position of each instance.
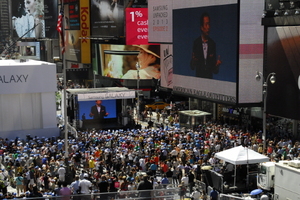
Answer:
(72, 17)
(51, 13)
(250, 51)
(136, 26)
(283, 58)
(166, 67)
(85, 31)
(160, 21)
(72, 45)
(205, 49)
(122, 61)
(108, 18)
(28, 18)
(77, 31)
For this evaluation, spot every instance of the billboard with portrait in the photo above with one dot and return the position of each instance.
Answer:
(212, 75)
(123, 61)
(28, 18)
(107, 18)
(283, 58)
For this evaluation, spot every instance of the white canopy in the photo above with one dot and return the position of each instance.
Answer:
(241, 155)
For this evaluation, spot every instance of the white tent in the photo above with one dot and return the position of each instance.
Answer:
(241, 156)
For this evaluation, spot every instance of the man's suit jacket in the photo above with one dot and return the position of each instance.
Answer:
(99, 116)
(204, 68)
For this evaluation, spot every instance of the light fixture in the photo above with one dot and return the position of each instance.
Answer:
(286, 13)
(276, 13)
(273, 78)
(258, 76)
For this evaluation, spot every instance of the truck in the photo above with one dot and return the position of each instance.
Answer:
(281, 179)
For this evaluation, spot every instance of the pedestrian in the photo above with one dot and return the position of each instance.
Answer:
(61, 173)
(158, 116)
(84, 187)
(65, 192)
(181, 190)
(213, 194)
(147, 186)
(19, 184)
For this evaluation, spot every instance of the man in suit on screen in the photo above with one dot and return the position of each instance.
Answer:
(204, 59)
(98, 111)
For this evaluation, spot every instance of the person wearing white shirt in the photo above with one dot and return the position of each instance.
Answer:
(196, 194)
(185, 180)
(84, 187)
(61, 173)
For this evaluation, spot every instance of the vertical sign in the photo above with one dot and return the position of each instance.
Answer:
(136, 26)
(85, 31)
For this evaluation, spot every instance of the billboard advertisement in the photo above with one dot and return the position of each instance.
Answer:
(136, 26)
(250, 51)
(28, 18)
(166, 67)
(283, 58)
(51, 13)
(77, 31)
(108, 18)
(160, 21)
(129, 61)
(205, 50)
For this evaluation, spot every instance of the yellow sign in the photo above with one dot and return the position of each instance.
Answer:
(85, 31)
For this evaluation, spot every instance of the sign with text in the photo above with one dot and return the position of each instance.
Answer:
(85, 31)
(27, 77)
(106, 95)
(136, 26)
(160, 21)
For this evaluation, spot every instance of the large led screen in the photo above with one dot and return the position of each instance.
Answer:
(87, 108)
(107, 18)
(205, 49)
(283, 58)
(130, 61)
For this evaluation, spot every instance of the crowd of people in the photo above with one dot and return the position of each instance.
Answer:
(124, 160)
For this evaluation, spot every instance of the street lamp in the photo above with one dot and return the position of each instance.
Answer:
(137, 65)
(272, 79)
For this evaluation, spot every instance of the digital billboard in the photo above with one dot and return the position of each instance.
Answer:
(283, 58)
(251, 51)
(160, 21)
(136, 26)
(205, 49)
(107, 18)
(28, 18)
(129, 61)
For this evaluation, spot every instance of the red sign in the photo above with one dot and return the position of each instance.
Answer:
(136, 26)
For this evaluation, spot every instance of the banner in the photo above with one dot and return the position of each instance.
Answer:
(106, 95)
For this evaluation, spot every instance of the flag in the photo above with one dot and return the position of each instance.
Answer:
(59, 28)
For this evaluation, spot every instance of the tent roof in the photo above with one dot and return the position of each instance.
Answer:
(196, 113)
(241, 155)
